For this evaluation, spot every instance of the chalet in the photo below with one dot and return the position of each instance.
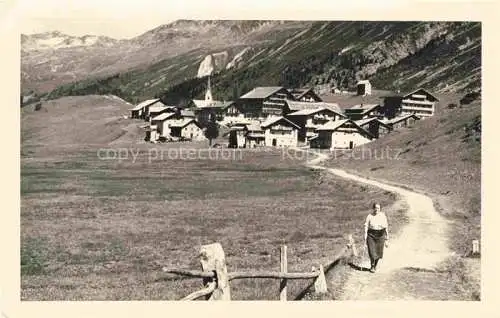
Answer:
(232, 115)
(141, 109)
(262, 102)
(363, 111)
(374, 126)
(305, 95)
(160, 124)
(343, 134)
(420, 102)
(310, 119)
(280, 132)
(255, 136)
(159, 108)
(186, 128)
(209, 109)
(364, 88)
(402, 121)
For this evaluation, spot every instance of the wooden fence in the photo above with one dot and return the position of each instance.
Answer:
(216, 279)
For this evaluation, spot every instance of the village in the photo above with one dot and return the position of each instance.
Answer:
(275, 116)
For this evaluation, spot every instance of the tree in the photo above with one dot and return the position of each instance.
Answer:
(212, 131)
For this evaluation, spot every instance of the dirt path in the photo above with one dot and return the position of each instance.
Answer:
(420, 246)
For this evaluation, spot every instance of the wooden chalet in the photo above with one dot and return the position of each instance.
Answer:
(374, 126)
(340, 134)
(280, 132)
(419, 102)
(305, 95)
(362, 111)
(310, 119)
(262, 102)
(141, 110)
(159, 108)
(402, 121)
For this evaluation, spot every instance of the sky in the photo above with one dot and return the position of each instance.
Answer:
(129, 18)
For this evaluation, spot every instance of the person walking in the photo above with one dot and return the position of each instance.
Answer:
(376, 235)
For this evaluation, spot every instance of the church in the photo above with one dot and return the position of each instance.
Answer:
(208, 109)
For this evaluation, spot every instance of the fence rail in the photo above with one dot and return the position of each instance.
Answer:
(216, 278)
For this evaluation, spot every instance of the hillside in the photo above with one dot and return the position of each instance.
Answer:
(440, 156)
(442, 56)
(76, 122)
(52, 59)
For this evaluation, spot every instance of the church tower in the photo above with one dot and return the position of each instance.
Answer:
(208, 94)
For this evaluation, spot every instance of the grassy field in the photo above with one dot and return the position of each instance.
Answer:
(94, 229)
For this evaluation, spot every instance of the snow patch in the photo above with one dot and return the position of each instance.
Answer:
(347, 48)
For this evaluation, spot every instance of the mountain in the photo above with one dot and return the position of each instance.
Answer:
(57, 40)
(172, 59)
(51, 59)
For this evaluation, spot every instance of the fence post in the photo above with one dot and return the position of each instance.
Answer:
(352, 246)
(320, 282)
(213, 259)
(283, 269)
(475, 247)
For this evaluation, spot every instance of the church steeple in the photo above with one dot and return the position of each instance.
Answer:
(208, 94)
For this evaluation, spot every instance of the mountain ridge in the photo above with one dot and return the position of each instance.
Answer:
(444, 56)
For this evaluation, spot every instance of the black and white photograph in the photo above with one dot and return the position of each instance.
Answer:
(167, 157)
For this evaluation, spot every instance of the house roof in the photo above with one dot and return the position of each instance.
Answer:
(201, 103)
(362, 122)
(187, 113)
(261, 92)
(311, 111)
(298, 93)
(296, 106)
(181, 123)
(274, 120)
(162, 117)
(425, 92)
(157, 108)
(238, 128)
(334, 125)
(144, 103)
(364, 108)
(401, 118)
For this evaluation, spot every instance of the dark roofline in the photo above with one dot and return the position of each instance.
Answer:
(376, 119)
(353, 122)
(189, 122)
(317, 110)
(280, 119)
(404, 118)
(278, 88)
(418, 89)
